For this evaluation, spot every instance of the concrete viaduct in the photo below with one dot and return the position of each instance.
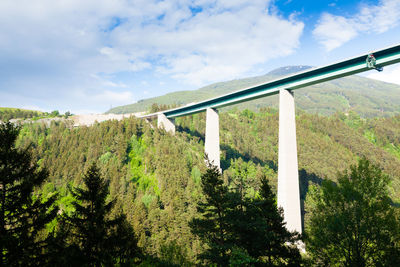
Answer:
(288, 176)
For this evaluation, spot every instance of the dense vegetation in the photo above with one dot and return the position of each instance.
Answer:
(155, 179)
(22, 215)
(240, 230)
(16, 113)
(352, 223)
(7, 114)
(84, 236)
(367, 97)
(87, 235)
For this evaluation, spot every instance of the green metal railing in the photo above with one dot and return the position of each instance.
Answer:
(376, 60)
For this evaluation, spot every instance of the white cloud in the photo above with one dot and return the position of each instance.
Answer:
(32, 107)
(391, 74)
(333, 31)
(87, 99)
(53, 46)
(216, 44)
(104, 82)
(115, 98)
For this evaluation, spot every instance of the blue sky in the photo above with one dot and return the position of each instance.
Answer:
(88, 56)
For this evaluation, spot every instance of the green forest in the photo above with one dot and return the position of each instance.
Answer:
(7, 114)
(16, 113)
(161, 205)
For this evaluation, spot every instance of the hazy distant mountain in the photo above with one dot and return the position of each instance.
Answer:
(365, 96)
(288, 70)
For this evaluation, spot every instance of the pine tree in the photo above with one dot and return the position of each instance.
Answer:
(240, 230)
(23, 214)
(262, 231)
(101, 240)
(213, 226)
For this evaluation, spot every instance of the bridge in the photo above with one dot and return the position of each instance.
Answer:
(288, 177)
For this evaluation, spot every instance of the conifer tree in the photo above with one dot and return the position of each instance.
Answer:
(213, 226)
(262, 231)
(237, 229)
(23, 214)
(100, 240)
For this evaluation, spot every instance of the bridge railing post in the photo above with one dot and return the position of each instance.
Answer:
(165, 123)
(288, 173)
(212, 137)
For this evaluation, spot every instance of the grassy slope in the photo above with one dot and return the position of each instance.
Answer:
(365, 96)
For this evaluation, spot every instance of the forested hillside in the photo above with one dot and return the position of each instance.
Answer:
(367, 97)
(16, 113)
(156, 177)
(7, 114)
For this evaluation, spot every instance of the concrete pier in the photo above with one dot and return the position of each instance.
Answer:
(165, 123)
(212, 137)
(288, 173)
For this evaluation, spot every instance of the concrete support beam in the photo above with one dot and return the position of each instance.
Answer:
(212, 137)
(288, 173)
(165, 123)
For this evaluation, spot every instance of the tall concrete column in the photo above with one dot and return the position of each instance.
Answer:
(288, 173)
(212, 136)
(165, 123)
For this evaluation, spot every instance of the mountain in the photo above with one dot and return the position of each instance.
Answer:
(288, 70)
(367, 97)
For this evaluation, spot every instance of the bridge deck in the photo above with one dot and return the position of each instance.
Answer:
(384, 57)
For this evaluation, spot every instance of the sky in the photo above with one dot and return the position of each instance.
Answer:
(88, 56)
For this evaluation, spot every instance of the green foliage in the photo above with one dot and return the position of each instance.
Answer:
(95, 238)
(23, 214)
(145, 181)
(240, 257)
(352, 223)
(370, 136)
(156, 108)
(66, 203)
(213, 226)
(55, 113)
(248, 113)
(385, 133)
(67, 114)
(7, 114)
(105, 158)
(196, 175)
(245, 178)
(174, 254)
(394, 150)
(240, 230)
(326, 145)
(147, 199)
(137, 147)
(353, 120)
(264, 232)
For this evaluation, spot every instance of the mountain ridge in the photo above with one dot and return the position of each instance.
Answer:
(368, 97)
